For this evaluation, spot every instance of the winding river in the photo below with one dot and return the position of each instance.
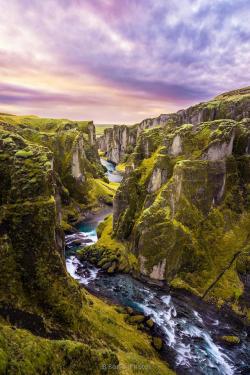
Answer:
(189, 327)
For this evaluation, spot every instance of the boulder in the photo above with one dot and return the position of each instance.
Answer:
(157, 343)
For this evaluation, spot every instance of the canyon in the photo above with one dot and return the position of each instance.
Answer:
(120, 140)
(180, 219)
(182, 209)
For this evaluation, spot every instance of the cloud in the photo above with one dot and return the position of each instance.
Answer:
(171, 52)
(23, 95)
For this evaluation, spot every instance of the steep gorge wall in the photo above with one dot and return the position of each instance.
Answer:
(120, 140)
(33, 276)
(183, 205)
(47, 168)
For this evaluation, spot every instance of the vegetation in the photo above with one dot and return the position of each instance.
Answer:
(101, 127)
(231, 340)
(74, 156)
(109, 253)
(49, 324)
(181, 214)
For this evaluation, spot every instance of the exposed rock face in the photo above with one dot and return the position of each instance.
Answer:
(176, 148)
(158, 272)
(220, 150)
(91, 133)
(120, 140)
(115, 142)
(78, 153)
(184, 206)
(158, 178)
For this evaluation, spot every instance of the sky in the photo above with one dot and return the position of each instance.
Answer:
(120, 61)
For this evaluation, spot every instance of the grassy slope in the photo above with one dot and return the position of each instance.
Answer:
(48, 125)
(101, 127)
(107, 342)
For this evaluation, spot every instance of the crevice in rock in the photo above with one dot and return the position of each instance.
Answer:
(221, 274)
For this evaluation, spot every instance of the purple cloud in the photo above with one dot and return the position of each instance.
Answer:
(173, 52)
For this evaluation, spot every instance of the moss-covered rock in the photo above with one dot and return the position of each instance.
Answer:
(119, 142)
(230, 340)
(24, 353)
(157, 343)
(73, 157)
(136, 319)
(150, 323)
(109, 253)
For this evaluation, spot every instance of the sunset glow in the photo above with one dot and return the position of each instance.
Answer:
(118, 61)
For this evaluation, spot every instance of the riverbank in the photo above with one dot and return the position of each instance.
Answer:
(191, 329)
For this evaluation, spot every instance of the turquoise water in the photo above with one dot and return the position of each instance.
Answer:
(88, 228)
(111, 173)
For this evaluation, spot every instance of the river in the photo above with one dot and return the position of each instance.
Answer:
(189, 327)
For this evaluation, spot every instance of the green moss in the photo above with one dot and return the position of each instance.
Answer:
(100, 191)
(107, 240)
(157, 343)
(109, 253)
(101, 127)
(35, 288)
(26, 354)
(121, 167)
(150, 323)
(131, 345)
(233, 340)
(200, 202)
(178, 283)
(136, 319)
(24, 154)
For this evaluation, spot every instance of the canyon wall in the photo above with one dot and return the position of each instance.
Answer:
(120, 140)
(183, 206)
(46, 169)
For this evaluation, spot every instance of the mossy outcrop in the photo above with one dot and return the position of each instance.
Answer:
(74, 157)
(183, 204)
(109, 253)
(230, 340)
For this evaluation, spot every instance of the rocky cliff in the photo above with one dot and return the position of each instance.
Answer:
(49, 324)
(74, 158)
(183, 206)
(120, 140)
